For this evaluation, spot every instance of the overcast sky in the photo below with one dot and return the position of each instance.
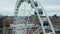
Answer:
(51, 6)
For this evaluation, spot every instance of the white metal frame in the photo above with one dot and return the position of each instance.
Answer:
(40, 19)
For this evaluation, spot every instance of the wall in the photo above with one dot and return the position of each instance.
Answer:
(7, 22)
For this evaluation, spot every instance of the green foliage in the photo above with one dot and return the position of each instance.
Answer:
(0, 26)
(1, 32)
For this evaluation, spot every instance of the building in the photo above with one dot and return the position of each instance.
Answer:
(1, 20)
(33, 20)
(7, 21)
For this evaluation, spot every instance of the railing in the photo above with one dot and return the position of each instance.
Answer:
(10, 30)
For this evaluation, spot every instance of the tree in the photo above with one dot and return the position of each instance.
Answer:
(55, 16)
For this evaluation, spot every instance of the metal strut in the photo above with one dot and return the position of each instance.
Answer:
(33, 5)
(40, 19)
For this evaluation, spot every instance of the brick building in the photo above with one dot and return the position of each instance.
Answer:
(7, 21)
(33, 20)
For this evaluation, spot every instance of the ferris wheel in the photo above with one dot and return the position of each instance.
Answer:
(38, 9)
